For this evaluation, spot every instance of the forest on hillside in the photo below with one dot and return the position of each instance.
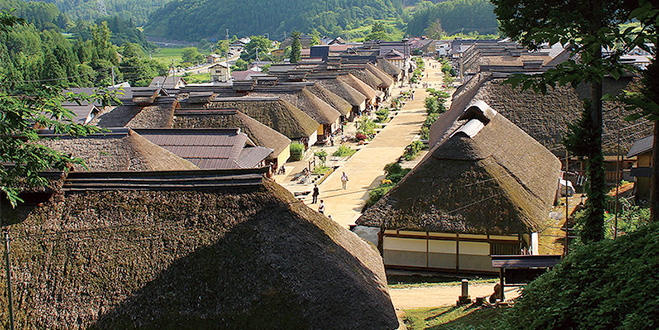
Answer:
(456, 16)
(89, 10)
(197, 19)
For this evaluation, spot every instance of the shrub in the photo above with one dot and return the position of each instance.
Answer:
(431, 119)
(611, 284)
(365, 126)
(382, 115)
(432, 106)
(377, 193)
(322, 155)
(396, 177)
(322, 169)
(344, 151)
(392, 168)
(297, 150)
(412, 150)
(360, 136)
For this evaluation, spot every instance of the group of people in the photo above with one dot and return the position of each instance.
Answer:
(316, 192)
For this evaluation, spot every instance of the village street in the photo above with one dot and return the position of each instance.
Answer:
(365, 168)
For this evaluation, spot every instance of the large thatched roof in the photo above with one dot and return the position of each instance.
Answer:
(389, 68)
(156, 115)
(342, 89)
(303, 99)
(227, 118)
(488, 177)
(546, 117)
(248, 256)
(338, 103)
(273, 112)
(359, 85)
(118, 150)
(386, 79)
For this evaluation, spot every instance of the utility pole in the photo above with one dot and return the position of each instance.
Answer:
(615, 226)
(567, 208)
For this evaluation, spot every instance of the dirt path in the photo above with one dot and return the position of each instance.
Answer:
(365, 168)
(441, 295)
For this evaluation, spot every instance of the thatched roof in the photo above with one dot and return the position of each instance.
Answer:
(248, 256)
(386, 79)
(304, 100)
(488, 177)
(275, 113)
(118, 150)
(367, 77)
(262, 135)
(359, 85)
(338, 103)
(342, 89)
(389, 68)
(546, 117)
(131, 115)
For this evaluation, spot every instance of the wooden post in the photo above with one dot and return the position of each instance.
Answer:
(427, 249)
(501, 276)
(457, 253)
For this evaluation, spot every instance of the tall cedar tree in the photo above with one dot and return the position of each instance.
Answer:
(296, 47)
(585, 26)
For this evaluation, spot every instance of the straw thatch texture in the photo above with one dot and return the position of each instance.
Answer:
(389, 68)
(260, 134)
(306, 101)
(222, 259)
(546, 117)
(134, 116)
(386, 79)
(127, 152)
(338, 103)
(501, 181)
(359, 85)
(367, 77)
(345, 91)
(277, 114)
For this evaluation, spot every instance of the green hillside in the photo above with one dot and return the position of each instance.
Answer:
(456, 16)
(89, 10)
(196, 19)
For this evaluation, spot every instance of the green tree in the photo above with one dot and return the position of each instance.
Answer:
(296, 48)
(22, 108)
(378, 32)
(586, 27)
(435, 30)
(257, 46)
(191, 55)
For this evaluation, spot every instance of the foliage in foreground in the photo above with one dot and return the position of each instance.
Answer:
(344, 151)
(394, 173)
(611, 284)
(454, 318)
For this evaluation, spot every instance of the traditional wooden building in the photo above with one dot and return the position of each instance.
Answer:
(642, 172)
(487, 188)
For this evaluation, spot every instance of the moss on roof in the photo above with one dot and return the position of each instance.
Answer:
(226, 259)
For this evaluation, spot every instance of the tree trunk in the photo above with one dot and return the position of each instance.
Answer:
(593, 229)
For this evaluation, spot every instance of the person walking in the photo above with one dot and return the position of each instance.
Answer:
(321, 207)
(315, 194)
(344, 180)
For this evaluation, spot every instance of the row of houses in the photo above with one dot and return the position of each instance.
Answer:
(174, 222)
(490, 179)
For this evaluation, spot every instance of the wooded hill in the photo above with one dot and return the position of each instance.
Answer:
(89, 10)
(196, 19)
(456, 16)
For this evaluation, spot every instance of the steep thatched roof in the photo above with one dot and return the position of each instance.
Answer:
(248, 256)
(389, 68)
(386, 79)
(342, 89)
(488, 177)
(119, 150)
(546, 117)
(338, 103)
(369, 78)
(131, 115)
(275, 113)
(261, 135)
(306, 101)
(359, 85)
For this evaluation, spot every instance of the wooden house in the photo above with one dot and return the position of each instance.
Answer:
(642, 172)
(220, 72)
(189, 250)
(487, 188)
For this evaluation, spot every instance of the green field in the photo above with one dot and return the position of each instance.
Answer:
(166, 55)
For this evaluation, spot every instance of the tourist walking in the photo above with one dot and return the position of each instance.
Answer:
(321, 207)
(315, 194)
(344, 180)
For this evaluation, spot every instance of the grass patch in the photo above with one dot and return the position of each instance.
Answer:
(322, 169)
(197, 78)
(344, 151)
(166, 55)
(454, 318)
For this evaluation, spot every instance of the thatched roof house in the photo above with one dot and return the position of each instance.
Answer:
(360, 86)
(210, 148)
(191, 250)
(544, 117)
(118, 150)
(337, 102)
(345, 91)
(262, 135)
(156, 115)
(275, 113)
(390, 69)
(487, 178)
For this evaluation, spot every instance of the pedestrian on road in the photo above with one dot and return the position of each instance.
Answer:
(315, 194)
(321, 207)
(344, 180)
